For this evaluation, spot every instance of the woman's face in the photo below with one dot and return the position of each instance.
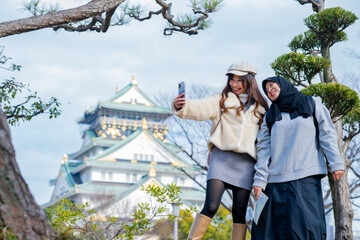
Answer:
(237, 86)
(272, 90)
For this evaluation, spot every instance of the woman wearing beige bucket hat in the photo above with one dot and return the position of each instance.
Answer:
(236, 116)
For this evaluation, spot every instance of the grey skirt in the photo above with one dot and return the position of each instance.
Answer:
(234, 168)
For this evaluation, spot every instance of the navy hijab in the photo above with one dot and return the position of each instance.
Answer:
(290, 100)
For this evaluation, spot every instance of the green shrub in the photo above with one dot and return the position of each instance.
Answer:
(338, 98)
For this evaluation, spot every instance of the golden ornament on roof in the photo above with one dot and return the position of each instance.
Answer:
(144, 124)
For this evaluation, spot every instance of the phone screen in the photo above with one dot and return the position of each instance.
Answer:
(182, 88)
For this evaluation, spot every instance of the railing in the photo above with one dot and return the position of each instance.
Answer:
(129, 122)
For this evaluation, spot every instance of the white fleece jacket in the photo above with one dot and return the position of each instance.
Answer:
(233, 133)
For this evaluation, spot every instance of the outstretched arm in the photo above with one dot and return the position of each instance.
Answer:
(196, 109)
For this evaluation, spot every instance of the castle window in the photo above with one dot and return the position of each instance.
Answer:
(110, 176)
(146, 157)
(103, 176)
(151, 157)
(141, 157)
(135, 156)
(128, 177)
(134, 178)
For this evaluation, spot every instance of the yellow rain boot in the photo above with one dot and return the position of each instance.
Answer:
(199, 226)
(238, 231)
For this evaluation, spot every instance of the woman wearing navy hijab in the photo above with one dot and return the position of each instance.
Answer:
(296, 134)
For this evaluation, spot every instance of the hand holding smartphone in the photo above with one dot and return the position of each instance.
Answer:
(180, 99)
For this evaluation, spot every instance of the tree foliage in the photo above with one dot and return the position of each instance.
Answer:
(299, 68)
(32, 105)
(35, 7)
(7, 234)
(79, 221)
(338, 98)
(308, 43)
(329, 25)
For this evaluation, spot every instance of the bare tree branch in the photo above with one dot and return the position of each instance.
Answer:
(327, 195)
(316, 6)
(181, 27)
(328, 211)
(203, 187)
(145, 18)
(176, 25)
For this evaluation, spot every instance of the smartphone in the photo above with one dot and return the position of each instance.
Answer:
(182, 88)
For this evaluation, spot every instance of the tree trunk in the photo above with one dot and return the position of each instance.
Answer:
(340, 193)
(18, 209)
(321, 5)
(328, 75)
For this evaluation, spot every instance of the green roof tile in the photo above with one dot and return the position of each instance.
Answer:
(99, 141)
(134, 107)
(67, 175)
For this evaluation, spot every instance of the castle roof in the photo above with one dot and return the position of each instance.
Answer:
(131, 98)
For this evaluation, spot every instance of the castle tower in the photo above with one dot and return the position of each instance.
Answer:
(124, 147)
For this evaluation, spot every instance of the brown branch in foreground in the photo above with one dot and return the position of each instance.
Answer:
(52, 19)
(103, 26)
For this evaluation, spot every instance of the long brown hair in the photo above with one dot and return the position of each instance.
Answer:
(253, 92)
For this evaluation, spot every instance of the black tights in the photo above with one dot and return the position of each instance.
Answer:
(214, 191)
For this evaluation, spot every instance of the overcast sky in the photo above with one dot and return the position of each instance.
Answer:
(81, 68)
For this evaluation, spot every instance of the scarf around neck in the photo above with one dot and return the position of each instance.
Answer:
(243, 98)
(290, 100)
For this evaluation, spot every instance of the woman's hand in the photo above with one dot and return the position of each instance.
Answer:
(257, 191)
(179, 101)
(338, 174)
